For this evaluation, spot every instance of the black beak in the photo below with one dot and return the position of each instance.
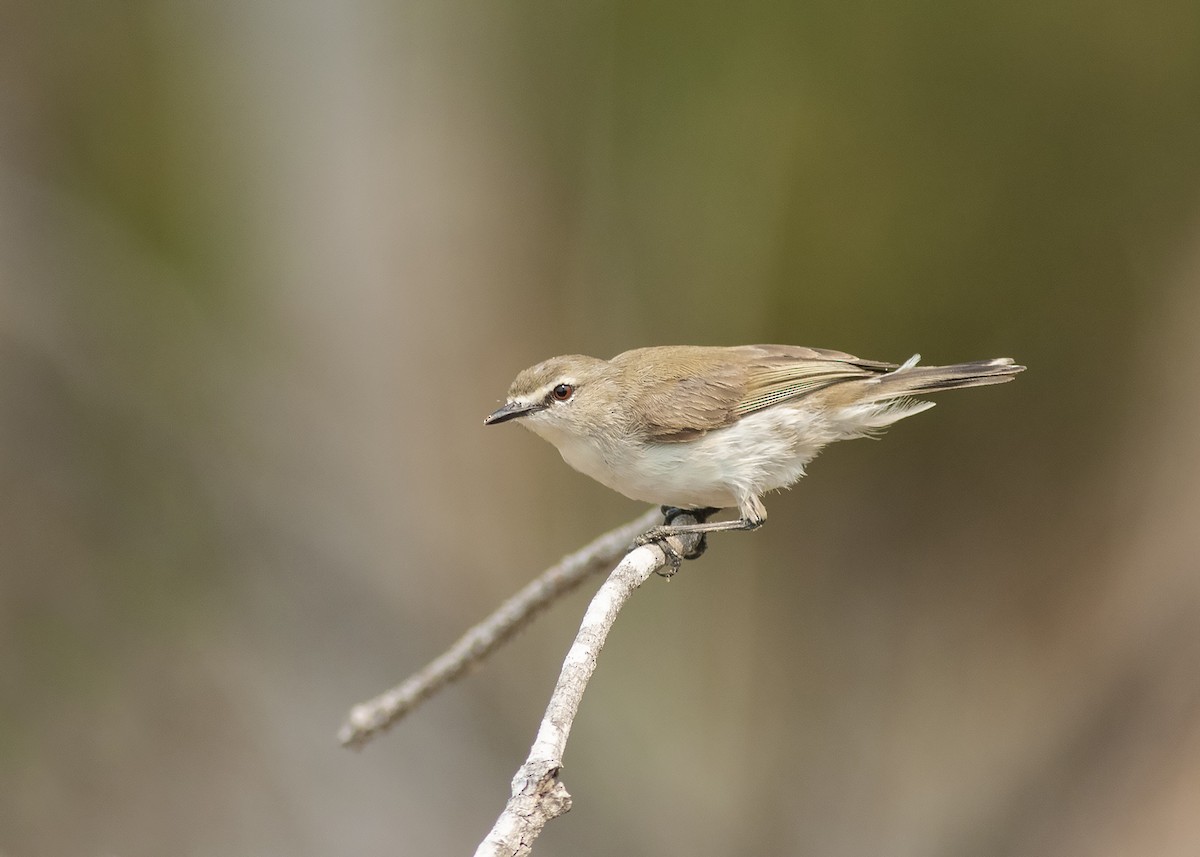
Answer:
(510, 412)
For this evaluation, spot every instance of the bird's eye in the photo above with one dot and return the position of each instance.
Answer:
(562, 392)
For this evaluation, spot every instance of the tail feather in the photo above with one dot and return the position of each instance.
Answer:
(913, 380)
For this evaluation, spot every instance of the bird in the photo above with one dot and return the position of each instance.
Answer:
(698, 429)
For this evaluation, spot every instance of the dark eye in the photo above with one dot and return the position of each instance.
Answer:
(563, 392)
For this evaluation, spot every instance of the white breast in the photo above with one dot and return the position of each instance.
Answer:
(762, 452)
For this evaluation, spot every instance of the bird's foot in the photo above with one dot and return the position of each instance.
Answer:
(664, 535)
(673, 556)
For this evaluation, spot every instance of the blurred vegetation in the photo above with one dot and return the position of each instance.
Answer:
(264, 267)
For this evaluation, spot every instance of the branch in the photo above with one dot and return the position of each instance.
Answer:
(537, 793)
(368, 719)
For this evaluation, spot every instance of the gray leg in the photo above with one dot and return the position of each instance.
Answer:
(670, 513)
(754, 515)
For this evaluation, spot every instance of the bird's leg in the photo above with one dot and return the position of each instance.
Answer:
(670, 513)
(754, 515)
(675, 558)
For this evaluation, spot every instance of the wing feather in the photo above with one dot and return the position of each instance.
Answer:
(771, 387)
(690, 391)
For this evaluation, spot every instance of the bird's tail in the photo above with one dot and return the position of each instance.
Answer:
(913, 380)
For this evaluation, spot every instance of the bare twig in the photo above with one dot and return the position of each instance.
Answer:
(537, 793)
(369, 718)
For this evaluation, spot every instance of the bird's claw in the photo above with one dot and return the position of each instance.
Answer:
(670, 513)
(667, 539)
(674, 558)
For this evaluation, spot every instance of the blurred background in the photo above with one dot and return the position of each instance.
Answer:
(264, 268)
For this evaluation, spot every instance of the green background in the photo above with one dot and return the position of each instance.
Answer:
(264, 267)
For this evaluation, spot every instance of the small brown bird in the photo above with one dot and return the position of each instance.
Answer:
(705, 428)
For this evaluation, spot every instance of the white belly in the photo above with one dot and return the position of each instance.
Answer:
(728, 467)
(761, 452)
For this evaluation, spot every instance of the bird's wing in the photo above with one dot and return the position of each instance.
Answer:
(711, 388)
(677, 409)
(781, 374)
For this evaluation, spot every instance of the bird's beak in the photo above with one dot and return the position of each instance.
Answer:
(511, 411)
